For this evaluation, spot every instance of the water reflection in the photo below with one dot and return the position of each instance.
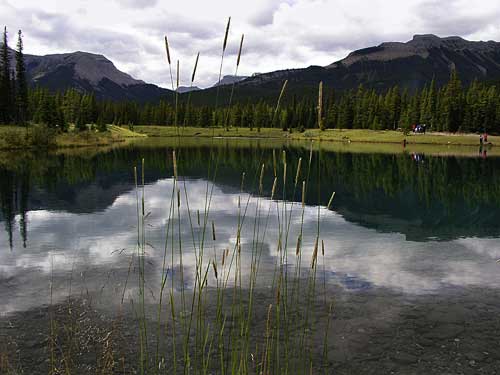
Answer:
(397, 222)
(89, 231)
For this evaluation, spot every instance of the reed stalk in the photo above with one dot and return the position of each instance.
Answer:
(321, 125)
(226, 122)
(282, 93)
(224, 45)
(193, 75)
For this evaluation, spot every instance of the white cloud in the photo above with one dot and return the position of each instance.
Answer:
(278, 33)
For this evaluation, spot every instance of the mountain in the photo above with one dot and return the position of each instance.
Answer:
(87, 72)
(410, 65)
(183, 89)
(229, 80)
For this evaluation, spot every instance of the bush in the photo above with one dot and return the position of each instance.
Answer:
(42, 136)
(15, 138)
(102, 127)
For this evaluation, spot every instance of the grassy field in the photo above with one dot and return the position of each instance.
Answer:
(352, 147)
(334, 135)
(15, 137)
(12, 137)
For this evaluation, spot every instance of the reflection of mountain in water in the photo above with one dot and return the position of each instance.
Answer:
(442, 198)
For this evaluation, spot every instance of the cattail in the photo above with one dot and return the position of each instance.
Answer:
(178, 74)
(278, 290)
(322, 248)
(299, 242)
(214, 265)
(223, 257)
(261, 186)
(282, 92)
(242, 181)
(198, 212)
(330, 201)
(311, 153)
(315, 254)
(142, 171)
(175, 164)
(213, 230)
(303, 193)
(284, 167)
(268, 322)
(227, 34)
(274, 162)
(239, 51)
(178, 198)
(168, 50)
(297, 175)
(274, 187)
(172, 305)
(320, 105)
(195, 66)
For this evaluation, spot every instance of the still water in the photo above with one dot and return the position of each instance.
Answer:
(411, 240)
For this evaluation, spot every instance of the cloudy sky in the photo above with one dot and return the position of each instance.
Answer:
(278, 33)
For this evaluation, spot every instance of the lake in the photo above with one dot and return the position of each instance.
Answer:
(402, 266)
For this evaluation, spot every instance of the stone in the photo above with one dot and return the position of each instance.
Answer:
(445, 331)
(405, 358)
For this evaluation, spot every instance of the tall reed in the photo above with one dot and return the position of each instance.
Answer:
(226, 122)
(193, 75)
(224, 45)
(282, 92)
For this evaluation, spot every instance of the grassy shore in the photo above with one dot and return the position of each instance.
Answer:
(16, 137)
(12, 137)
(334, 135)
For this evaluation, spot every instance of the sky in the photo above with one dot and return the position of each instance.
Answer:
(279, 34)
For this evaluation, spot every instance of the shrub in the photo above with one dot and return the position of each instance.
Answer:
(42, 136)
(15, 138)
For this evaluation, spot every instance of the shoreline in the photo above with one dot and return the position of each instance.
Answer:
(329, 135)
(355, 140)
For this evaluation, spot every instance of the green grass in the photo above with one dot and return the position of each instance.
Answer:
(345, 140)
(17, 137)
(334, 135)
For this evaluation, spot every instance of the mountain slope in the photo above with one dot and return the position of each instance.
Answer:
(410, 65)
(87, 72)
(229, 80)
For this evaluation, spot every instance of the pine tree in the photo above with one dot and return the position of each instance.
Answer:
(453, 103)
(5, 83)
(22, 86)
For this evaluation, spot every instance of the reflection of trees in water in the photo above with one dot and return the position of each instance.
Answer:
(14, 194)
(443, 197)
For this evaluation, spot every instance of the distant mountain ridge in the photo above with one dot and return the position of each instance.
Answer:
(410, 65)
(183, 89)
(87, 72)
(229, 80)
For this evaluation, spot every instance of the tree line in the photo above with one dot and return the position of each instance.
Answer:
(450, 108)
(13, 84)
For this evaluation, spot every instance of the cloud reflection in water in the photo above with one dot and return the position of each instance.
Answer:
(96, 248)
